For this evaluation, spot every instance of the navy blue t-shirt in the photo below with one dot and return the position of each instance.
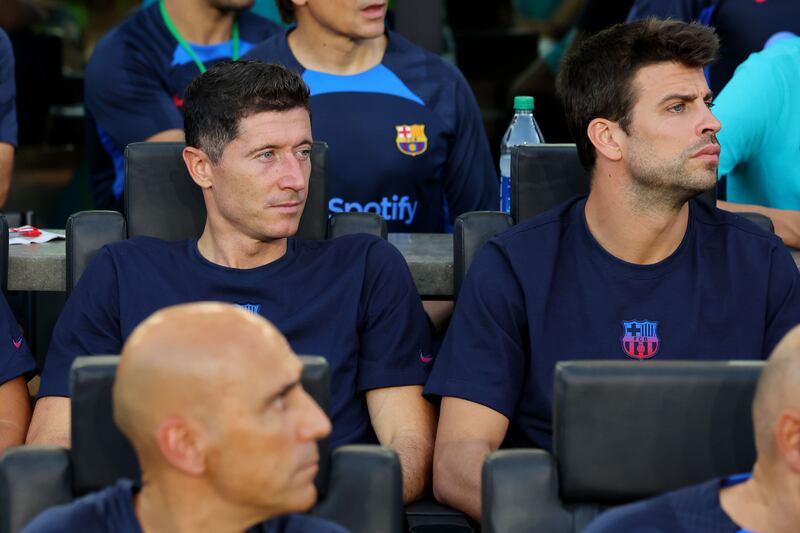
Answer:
(112, 510)
(15, 358)
(546, 291)
(351, 300)
(694, 509)
(135, 84)
(405, 137)
(8, 93)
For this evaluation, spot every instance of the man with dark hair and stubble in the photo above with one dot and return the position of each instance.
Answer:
(637, 270)
(764, 501)
(351, 300)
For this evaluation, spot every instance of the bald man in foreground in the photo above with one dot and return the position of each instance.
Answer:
(766, 501)
(210, 397)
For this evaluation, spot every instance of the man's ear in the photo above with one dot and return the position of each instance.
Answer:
(787, 438)
(181, 445)
(200, 167)
(604, 135)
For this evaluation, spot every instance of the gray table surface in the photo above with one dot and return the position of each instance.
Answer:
(41, 267)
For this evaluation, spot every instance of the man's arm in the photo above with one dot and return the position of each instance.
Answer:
(15, 412)
(6, 166)
(405, 421)
(786, 221)
(51, 422)
(468, 432)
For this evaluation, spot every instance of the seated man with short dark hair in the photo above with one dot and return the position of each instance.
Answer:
(765, 501)
(210, 398)
(351, 299)
(637, 270)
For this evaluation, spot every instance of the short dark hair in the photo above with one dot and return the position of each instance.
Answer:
(217, 101)
(286, 10)
(596, 77)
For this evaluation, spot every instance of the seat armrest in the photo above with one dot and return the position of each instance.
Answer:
(350, 223)
(365, 492)
(470, 232)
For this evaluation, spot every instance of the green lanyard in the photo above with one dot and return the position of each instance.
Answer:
(186, 46)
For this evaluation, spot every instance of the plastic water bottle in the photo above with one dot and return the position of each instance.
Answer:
(522, 130)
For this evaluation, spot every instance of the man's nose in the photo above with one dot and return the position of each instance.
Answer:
(315, 424)
(294, 173)
(709, 123)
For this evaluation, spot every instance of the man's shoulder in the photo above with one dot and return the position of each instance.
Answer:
(735, 227)
(256, 28)
(144, 246)
(98, 511)
(694, 504)
(540, 231)
(348, 248)
(415, 65)
(273, 49)
(300, 523)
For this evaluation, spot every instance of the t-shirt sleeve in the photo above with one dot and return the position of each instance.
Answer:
(8, 93)
(125, 95)
(471, 183)
(88, 325)
(15, 357)
(393, 328)
(484, 355)
(745, 125)
(76, 516)
(783, 298)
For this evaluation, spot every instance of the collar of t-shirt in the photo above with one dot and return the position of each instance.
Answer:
(610, 263)
(730, 481)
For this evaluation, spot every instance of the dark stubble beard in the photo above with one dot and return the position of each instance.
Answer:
(668, 185)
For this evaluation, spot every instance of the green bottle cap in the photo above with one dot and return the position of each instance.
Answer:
(523, 103)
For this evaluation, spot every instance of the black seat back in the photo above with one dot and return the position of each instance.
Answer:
(470, 232)
(653, 427)
(623, 431)
(545, 175)
(101, 454)
(161, 200)
(86, 233)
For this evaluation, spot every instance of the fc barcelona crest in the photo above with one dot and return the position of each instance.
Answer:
(640, 338)
(411, 139)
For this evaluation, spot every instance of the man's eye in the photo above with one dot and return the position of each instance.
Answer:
(279, 403)
(709, 104)
(304, 154)
(267, 156)
(677, 108)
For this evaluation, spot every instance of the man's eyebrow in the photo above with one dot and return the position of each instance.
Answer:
(686, 97)
(284, 390)
(273, 146)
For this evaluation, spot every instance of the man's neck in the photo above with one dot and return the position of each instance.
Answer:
(630, 227)
(165, 506)
(763, 503)
(317, 48)
(199, 22)
(229, 248)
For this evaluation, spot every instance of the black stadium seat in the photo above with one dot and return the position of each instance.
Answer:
(623, 431)
(470, 232)
(360, 486)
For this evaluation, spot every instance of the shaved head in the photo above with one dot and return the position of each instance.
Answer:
(181, 361)
(777, 392)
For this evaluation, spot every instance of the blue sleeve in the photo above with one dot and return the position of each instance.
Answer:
(15, 357)
(471, 182)
(8, 93)
(745, 124)
(394, 330)
(88, 325)
(783, 298)
(76, 516)
(125, 95)
(633, 518)
(485, 354)
(685, 10)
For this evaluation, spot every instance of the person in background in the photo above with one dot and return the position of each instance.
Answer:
(351, 300)
(210, 398)
(138, 73)
(8, 116)
(766, 500)
(638, 270)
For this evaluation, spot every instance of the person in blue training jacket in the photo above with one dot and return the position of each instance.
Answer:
(210, 398)
(351, 299)
(404, 132)
(138, 73)
(8, 115)
(15, 362)
(768, 501)
(638, 270)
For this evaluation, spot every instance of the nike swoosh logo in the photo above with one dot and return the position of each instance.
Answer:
(425, 358)
(17, 342)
